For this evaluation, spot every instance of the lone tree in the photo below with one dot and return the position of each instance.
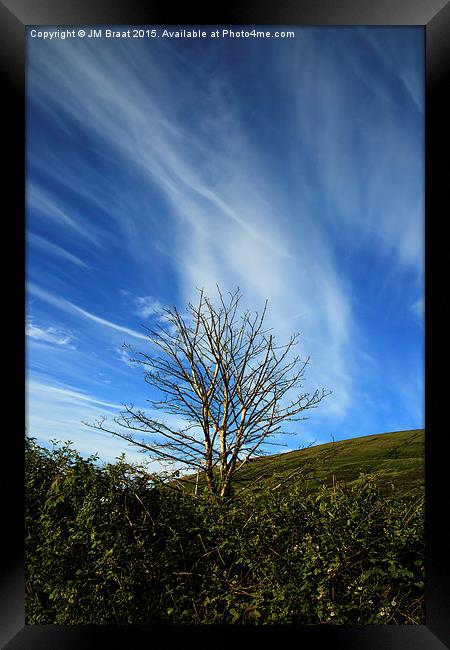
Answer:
(223, 374)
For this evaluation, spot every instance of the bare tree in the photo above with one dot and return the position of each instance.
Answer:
(223, 374)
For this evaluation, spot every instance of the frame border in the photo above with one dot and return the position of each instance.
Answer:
(434, 16)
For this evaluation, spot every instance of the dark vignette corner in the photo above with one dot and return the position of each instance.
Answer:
(12, 67)
(437, 142)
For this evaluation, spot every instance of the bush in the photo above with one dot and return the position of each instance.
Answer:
(111, 545)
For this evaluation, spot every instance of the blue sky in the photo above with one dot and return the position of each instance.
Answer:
(292, 168)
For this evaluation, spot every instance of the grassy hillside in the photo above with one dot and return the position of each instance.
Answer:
(397, 460)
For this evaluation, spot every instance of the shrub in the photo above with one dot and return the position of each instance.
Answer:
(111, 545)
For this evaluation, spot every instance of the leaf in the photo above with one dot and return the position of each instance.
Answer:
(234, 615)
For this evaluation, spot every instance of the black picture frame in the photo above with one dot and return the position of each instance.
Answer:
(434, 17)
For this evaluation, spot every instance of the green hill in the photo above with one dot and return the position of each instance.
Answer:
(396, 459)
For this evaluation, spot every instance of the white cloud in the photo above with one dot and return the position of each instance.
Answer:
(227, 220)
(48, 206)
(365, 158)
(54, 249)
(66, 305)
(418, 310)
(109, 324)
(70, 394)
(56, 411)
(50, 335)
(124, 356)
(145, 306)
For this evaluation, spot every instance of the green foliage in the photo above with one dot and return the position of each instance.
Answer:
(111, 545)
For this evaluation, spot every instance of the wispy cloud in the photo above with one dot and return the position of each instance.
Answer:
(50, 335)
(65, 392)
(360, 151)
(57, 412)
(411, 78)
(144, 306)
(125, 357)
(54, 249)
(48, 206)
(66, 305)
(281, 196)
(107, 323)
(418, 310)
(229, 226)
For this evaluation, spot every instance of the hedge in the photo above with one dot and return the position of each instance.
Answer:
(110, 544)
